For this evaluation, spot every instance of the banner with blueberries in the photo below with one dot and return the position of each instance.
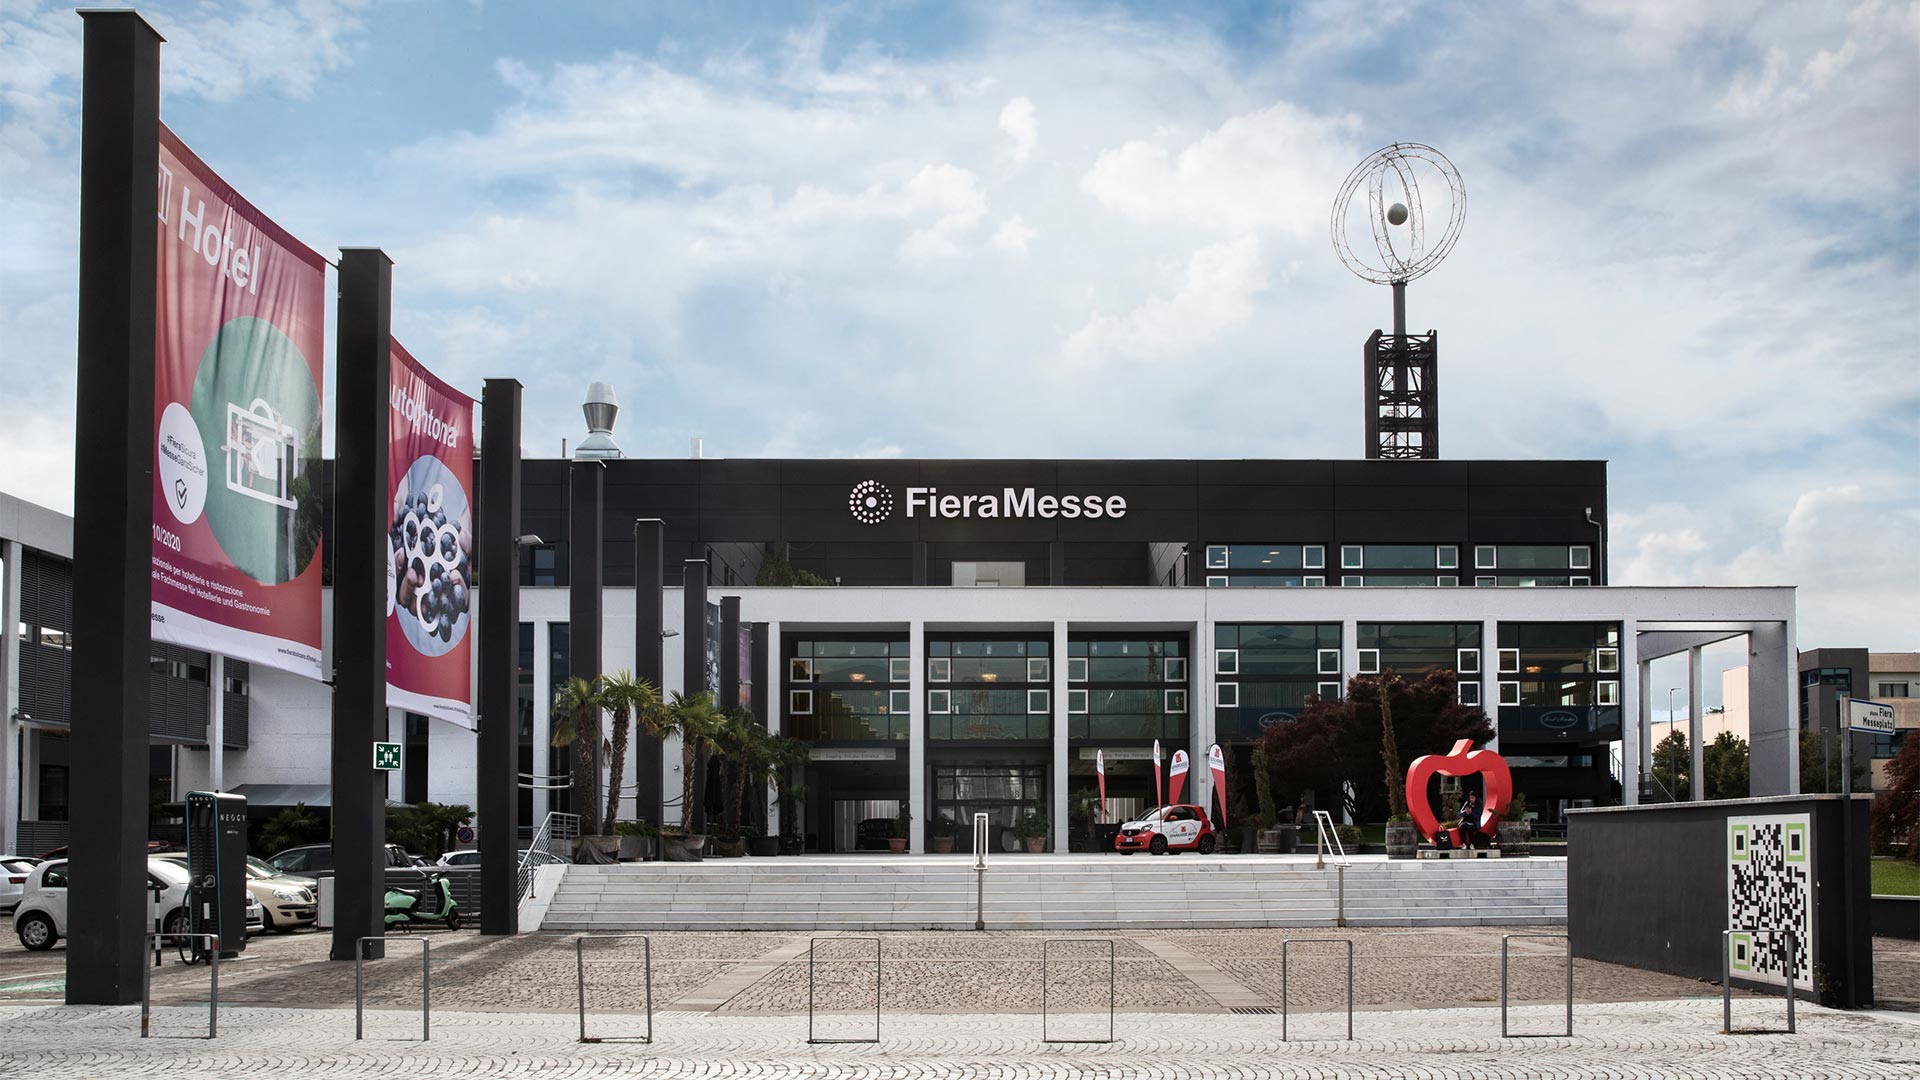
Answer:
(429, 544)
(238, 349)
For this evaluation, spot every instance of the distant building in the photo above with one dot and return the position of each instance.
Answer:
(1826, 674)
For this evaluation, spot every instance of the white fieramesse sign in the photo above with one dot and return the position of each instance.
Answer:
(871, 504)
(1873, 716)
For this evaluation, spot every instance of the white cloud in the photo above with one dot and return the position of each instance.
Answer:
(1013, 236)
(1216, 293)
(1020, 124)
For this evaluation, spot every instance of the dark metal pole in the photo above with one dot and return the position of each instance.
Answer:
(586, 506)
(693, 674)
(113, 507)
(1400, 310)
(649, 654)
(496, 755)
(361, 513)
(730, 687)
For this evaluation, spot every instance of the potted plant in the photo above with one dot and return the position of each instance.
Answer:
(576, 711)
(638, 839)
(944, 830)
(694, 719)
(1033, 830)
(1516, 832)
(1403, 840)
(902, 829)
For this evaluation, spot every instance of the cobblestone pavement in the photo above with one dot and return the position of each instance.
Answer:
(1631, 1039)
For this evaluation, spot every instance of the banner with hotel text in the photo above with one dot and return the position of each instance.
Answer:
(238, 355)
(429, 543)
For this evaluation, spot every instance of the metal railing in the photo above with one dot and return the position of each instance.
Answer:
(812, 945)
(1504, 1032)
(146, 983)
(556, 828)
(580, 971)
(1290, 942)
(360, 990)
(1726, 978)
(1327, 842)
(1046, 963)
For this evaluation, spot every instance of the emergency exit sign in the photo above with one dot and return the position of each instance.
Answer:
(386, 755)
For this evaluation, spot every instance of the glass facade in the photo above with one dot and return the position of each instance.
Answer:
(1127, 687)
(1266, 565)
(1266, 673)
(1413, 650)
(1559, 681)
(851, 688)
(989, 688)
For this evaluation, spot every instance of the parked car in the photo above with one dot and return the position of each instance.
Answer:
(13, 880)
(154, 847)
(472, 858)
(261, 869)
(312, 858)
(1183, 827)
(285, 903)
(41, 918)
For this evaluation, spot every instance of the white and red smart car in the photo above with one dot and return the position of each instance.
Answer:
(1182, 827)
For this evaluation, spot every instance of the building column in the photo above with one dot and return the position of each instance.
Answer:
(1057, 701)
(586, 533)
(1199, 737)
(650, 660)
(1773, 710)
(1696, 727)
(216, 722)
(693, 677)
(1490, 675)
(776, 711)
(1630, 702)
(542, 722)
(12, 734)
(917, 737)
(496, 752)
(394, 781)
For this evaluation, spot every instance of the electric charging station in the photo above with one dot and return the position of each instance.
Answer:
(217, 868)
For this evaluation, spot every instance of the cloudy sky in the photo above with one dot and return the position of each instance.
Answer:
(1692, 246)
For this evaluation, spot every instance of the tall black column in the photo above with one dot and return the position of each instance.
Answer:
(361, 513)
(586, 511)
(757, 801)
(649, 653)
(113, 507)
(693, 675)
(497, 778)
(729, 652)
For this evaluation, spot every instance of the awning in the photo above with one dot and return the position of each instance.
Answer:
(314, 795)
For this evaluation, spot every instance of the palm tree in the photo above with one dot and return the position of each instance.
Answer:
(576, 723)
(627, 699)
(693, 718)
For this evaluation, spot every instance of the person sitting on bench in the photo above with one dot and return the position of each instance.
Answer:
(1469, 821)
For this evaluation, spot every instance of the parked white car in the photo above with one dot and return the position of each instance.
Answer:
(472, 858)
(41, 918)
(13, 880)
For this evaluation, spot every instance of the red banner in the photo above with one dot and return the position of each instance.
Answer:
(1177, 777)
(237, 403)
(1100, 770)
(429, 544)
(1217, 768)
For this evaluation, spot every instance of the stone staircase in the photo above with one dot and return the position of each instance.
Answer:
(1054, 893)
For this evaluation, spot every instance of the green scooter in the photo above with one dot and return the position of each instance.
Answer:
(433, 902)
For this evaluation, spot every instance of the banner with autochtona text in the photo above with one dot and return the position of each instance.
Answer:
(238, 357)
(429, 544)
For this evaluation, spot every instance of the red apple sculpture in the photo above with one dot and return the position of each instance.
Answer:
(1462, 760)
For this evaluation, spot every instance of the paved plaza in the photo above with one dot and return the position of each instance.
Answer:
(1190, 1003)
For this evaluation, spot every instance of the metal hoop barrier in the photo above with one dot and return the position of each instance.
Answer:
(580, 969)
(1284, 945)
(1046, 960)
(1726, 980)
(360, 990)
(811, 946)
(1504, 1032)
(146, 983)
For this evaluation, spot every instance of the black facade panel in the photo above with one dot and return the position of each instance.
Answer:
(1401, 527)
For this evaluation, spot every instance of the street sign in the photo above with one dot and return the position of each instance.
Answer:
(465, 835)
(1872, 716)
(386, 755)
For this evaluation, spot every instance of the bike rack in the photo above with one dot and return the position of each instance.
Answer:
(1046, 959)
(1506, 1034)
(359, 985)
(1726, 980)
(580, 969)
(146, 983)
(1284, 945)
(811, 946)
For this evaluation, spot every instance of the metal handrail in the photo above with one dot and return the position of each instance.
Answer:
(580, 971)
(1726, 979)
(146, 982)
(557, 826)
(1348, 942)
(1327, 841)
(359, 985)
(811, 945)
(1046, 959)
(1504, 1033)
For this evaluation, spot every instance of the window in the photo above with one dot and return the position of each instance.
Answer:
(1369, 661)
(1509, 661)
(1509, 693)
(1039, 669)
(1077, 702)
(800, 702)
(1447, 557)
(940, 702)
(939, 669)
(1449, 580)
(1467, 692)
(1038, 701)
(1076, 669)
(1313, 581)
(1352, 557)
(1467, 662)
(1176, 701)
(799, 669)
(55, 877)
(899, 669)
(1313, 557)
(1226, 661)
(1609, 692)
(1216, 581)
(1176, 669)
(1350, 581)
(1579, 582)
(1216, 556)
(1580, 557)
(1892, 689)
(1329, 691)
(1227, 695)
(1606, 660)
(899, 702)
(1485, 582)
(1329, 661)
(1485, 557)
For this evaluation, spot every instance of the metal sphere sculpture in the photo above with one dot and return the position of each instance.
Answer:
(1415, 207)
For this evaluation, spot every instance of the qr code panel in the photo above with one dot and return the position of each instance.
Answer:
(1770, 887)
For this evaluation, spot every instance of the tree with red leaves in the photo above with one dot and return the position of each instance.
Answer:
(1896, 811)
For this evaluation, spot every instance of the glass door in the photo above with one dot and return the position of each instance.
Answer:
(1005, 793)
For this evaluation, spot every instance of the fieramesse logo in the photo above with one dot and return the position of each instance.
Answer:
(871, 503)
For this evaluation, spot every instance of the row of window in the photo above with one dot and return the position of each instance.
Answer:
(1399, 557)
(1354, 581)
(941, 669)
(942, 702)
